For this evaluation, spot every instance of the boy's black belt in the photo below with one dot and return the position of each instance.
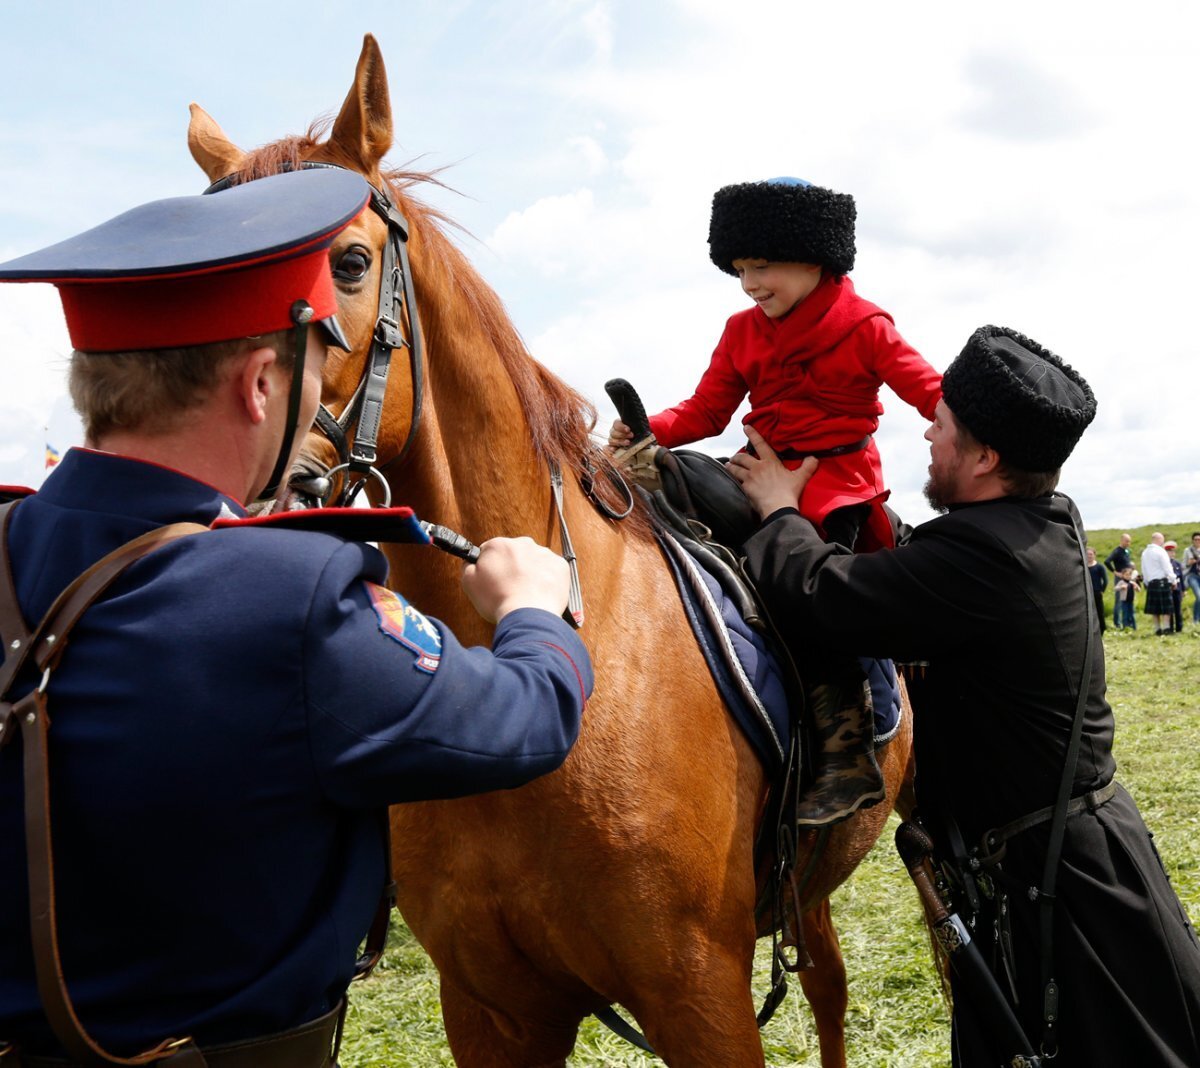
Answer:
(819, 454)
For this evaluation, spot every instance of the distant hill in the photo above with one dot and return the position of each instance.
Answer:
(1103, 541)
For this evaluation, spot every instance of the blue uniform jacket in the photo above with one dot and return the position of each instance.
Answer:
(225, 727)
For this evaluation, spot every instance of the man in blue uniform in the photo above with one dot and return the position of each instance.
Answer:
(232, 717)
(994, 596)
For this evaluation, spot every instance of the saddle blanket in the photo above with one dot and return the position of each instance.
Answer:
(746, 672)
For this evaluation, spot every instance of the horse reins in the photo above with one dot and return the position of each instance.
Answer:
(397, 302)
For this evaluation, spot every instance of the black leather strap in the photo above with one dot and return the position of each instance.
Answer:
(1058, 823)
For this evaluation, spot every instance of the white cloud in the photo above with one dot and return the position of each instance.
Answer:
(1020, 165)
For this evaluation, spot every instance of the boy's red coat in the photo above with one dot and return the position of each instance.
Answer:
(813, 378)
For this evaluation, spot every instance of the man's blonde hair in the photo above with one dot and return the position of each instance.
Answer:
(147, 391)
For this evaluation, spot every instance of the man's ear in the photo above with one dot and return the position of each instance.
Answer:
(987, 460)
(255, 385)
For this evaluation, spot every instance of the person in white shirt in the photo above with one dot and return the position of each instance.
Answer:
(1160, 579)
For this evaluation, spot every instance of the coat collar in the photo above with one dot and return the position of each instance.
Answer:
(106, 483)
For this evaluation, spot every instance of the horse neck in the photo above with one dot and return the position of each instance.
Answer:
(472, 465)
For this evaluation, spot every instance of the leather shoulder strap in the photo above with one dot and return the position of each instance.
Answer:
(29, 716)
(14, 634)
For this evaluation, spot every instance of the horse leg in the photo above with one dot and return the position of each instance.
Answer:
(824, 984)
(480, 1037)
(701, 1013)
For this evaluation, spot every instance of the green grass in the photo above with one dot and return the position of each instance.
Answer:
(896, 1018)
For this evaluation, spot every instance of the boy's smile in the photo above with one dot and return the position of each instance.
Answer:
(777, 287)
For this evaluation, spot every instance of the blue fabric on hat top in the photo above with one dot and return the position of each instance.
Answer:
(263, 220)
(198, 269)
(785, 180)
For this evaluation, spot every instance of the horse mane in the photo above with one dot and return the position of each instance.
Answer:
(560, 419)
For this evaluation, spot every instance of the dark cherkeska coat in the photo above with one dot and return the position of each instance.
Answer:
(227, 725)
(993, 595)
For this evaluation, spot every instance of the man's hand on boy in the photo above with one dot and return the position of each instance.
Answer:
(769, 485)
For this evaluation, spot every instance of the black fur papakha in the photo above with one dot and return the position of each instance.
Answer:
(783, 224)
(1019, 398)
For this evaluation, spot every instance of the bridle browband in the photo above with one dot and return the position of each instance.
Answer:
(397, 302)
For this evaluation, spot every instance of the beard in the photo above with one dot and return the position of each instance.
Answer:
(938, 493)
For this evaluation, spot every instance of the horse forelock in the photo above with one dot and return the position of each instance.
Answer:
(283, 155)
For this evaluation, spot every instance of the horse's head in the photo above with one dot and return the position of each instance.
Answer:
(362, 255)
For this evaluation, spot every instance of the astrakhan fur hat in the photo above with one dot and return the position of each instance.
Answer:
(785, 220)
(1019, 398)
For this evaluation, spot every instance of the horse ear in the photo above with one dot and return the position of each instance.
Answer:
(216, 154)
(363, 129)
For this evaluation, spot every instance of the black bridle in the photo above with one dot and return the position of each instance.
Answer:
(364, 411)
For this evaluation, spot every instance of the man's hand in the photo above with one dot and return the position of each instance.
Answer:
(516, 573)
(769, 485)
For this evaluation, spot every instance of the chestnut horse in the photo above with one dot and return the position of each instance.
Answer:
(626, 876)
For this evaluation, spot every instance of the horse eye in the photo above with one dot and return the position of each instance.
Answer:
(352, 265)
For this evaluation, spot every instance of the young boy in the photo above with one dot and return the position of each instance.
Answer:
(811, 353)
(1124, 590)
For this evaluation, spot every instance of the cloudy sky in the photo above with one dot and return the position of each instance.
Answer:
(1026, 164)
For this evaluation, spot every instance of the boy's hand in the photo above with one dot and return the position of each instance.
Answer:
(619, 435)
(769, 485)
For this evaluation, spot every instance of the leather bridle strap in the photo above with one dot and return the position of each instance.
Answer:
(41, 649)
(397, 300)
(302, 315)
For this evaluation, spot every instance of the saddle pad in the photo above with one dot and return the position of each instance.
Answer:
(885, 697)
(746, 674)
(745, 671)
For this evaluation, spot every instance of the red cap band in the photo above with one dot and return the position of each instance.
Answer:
(196, 309)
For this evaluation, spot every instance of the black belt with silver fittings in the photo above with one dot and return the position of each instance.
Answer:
(992, 843)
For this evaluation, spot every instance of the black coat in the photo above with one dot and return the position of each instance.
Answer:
(1118, 560)
(994, 597)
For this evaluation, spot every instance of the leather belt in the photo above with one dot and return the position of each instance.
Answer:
(311, 1045)
(819, 454)
(992, 840)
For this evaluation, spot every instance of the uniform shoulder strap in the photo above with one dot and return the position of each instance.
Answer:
(43, 646)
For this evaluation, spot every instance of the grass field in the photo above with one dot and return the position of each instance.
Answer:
(896, 1017)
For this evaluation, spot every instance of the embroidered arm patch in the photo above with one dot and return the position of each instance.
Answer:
(403, 623)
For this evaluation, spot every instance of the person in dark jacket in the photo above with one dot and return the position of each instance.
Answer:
(1119, 561)
(1099, 576)
(994, 595)
(1177, 589)
(230, 722)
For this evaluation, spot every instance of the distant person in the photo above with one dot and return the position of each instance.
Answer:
(1160, 579)
(1125, 588)
(1191, 573)
(1177, 589)
(1119, 560)
(1099, 584)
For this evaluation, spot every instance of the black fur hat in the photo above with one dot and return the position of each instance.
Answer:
(785, 220)
(1019, 398)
